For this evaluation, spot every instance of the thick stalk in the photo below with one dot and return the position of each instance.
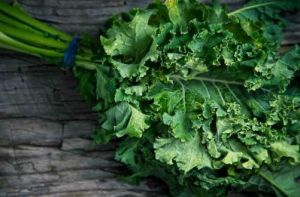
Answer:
(85, 64)
(17, 24)
(31, 50)
(39, 39)
(11, 44)
(32, 38)
(16, 45)
(23, 17)
(4, 46)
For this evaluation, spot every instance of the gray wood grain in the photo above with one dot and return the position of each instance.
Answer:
(45, 144)
(45, 126)
(80, 16)
(33, 171)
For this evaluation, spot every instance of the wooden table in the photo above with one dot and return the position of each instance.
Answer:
(45, 126)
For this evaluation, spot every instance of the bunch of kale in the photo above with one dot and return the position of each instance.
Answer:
(202, 98)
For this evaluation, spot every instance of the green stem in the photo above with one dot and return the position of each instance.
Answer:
(7, 43)
(13, 19)
(31, 50)
(251, 7)
(26, 33)
(85, 64)
(4, 46)
(17, 24)
(11, 44)
(84, 57)
(23, 17)
(32, 38)
(86, 51)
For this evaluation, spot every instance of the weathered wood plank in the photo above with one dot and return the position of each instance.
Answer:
(28, 159)
(77, 128)
(42, 132)
(86, 3)
(30, 131)
(31, 170)
(80, 144)
(54, 96)
(70, 181)
(38, 90)
(68, 111)
(292, 33)
(34, 80)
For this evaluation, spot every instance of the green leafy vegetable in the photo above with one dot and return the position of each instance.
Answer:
(221, 102)
(200, 96)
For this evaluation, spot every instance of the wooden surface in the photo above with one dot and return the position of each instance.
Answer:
(45, 127)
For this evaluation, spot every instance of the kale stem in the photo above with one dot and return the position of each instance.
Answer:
(18, 14)
(5, 46)
(12, 44)
(17, 24)
(32, 38)
(9, 42)
(251, 7)
(85, 64)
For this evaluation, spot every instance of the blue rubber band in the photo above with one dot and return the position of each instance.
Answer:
(70, 53)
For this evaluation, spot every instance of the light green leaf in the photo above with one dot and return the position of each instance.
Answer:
(136, 124)
(283, 149)
(139, 69)
(124, 119)
(131, 39)
(186, 155)
(237, 153)
(180, 125)
(133, 42)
